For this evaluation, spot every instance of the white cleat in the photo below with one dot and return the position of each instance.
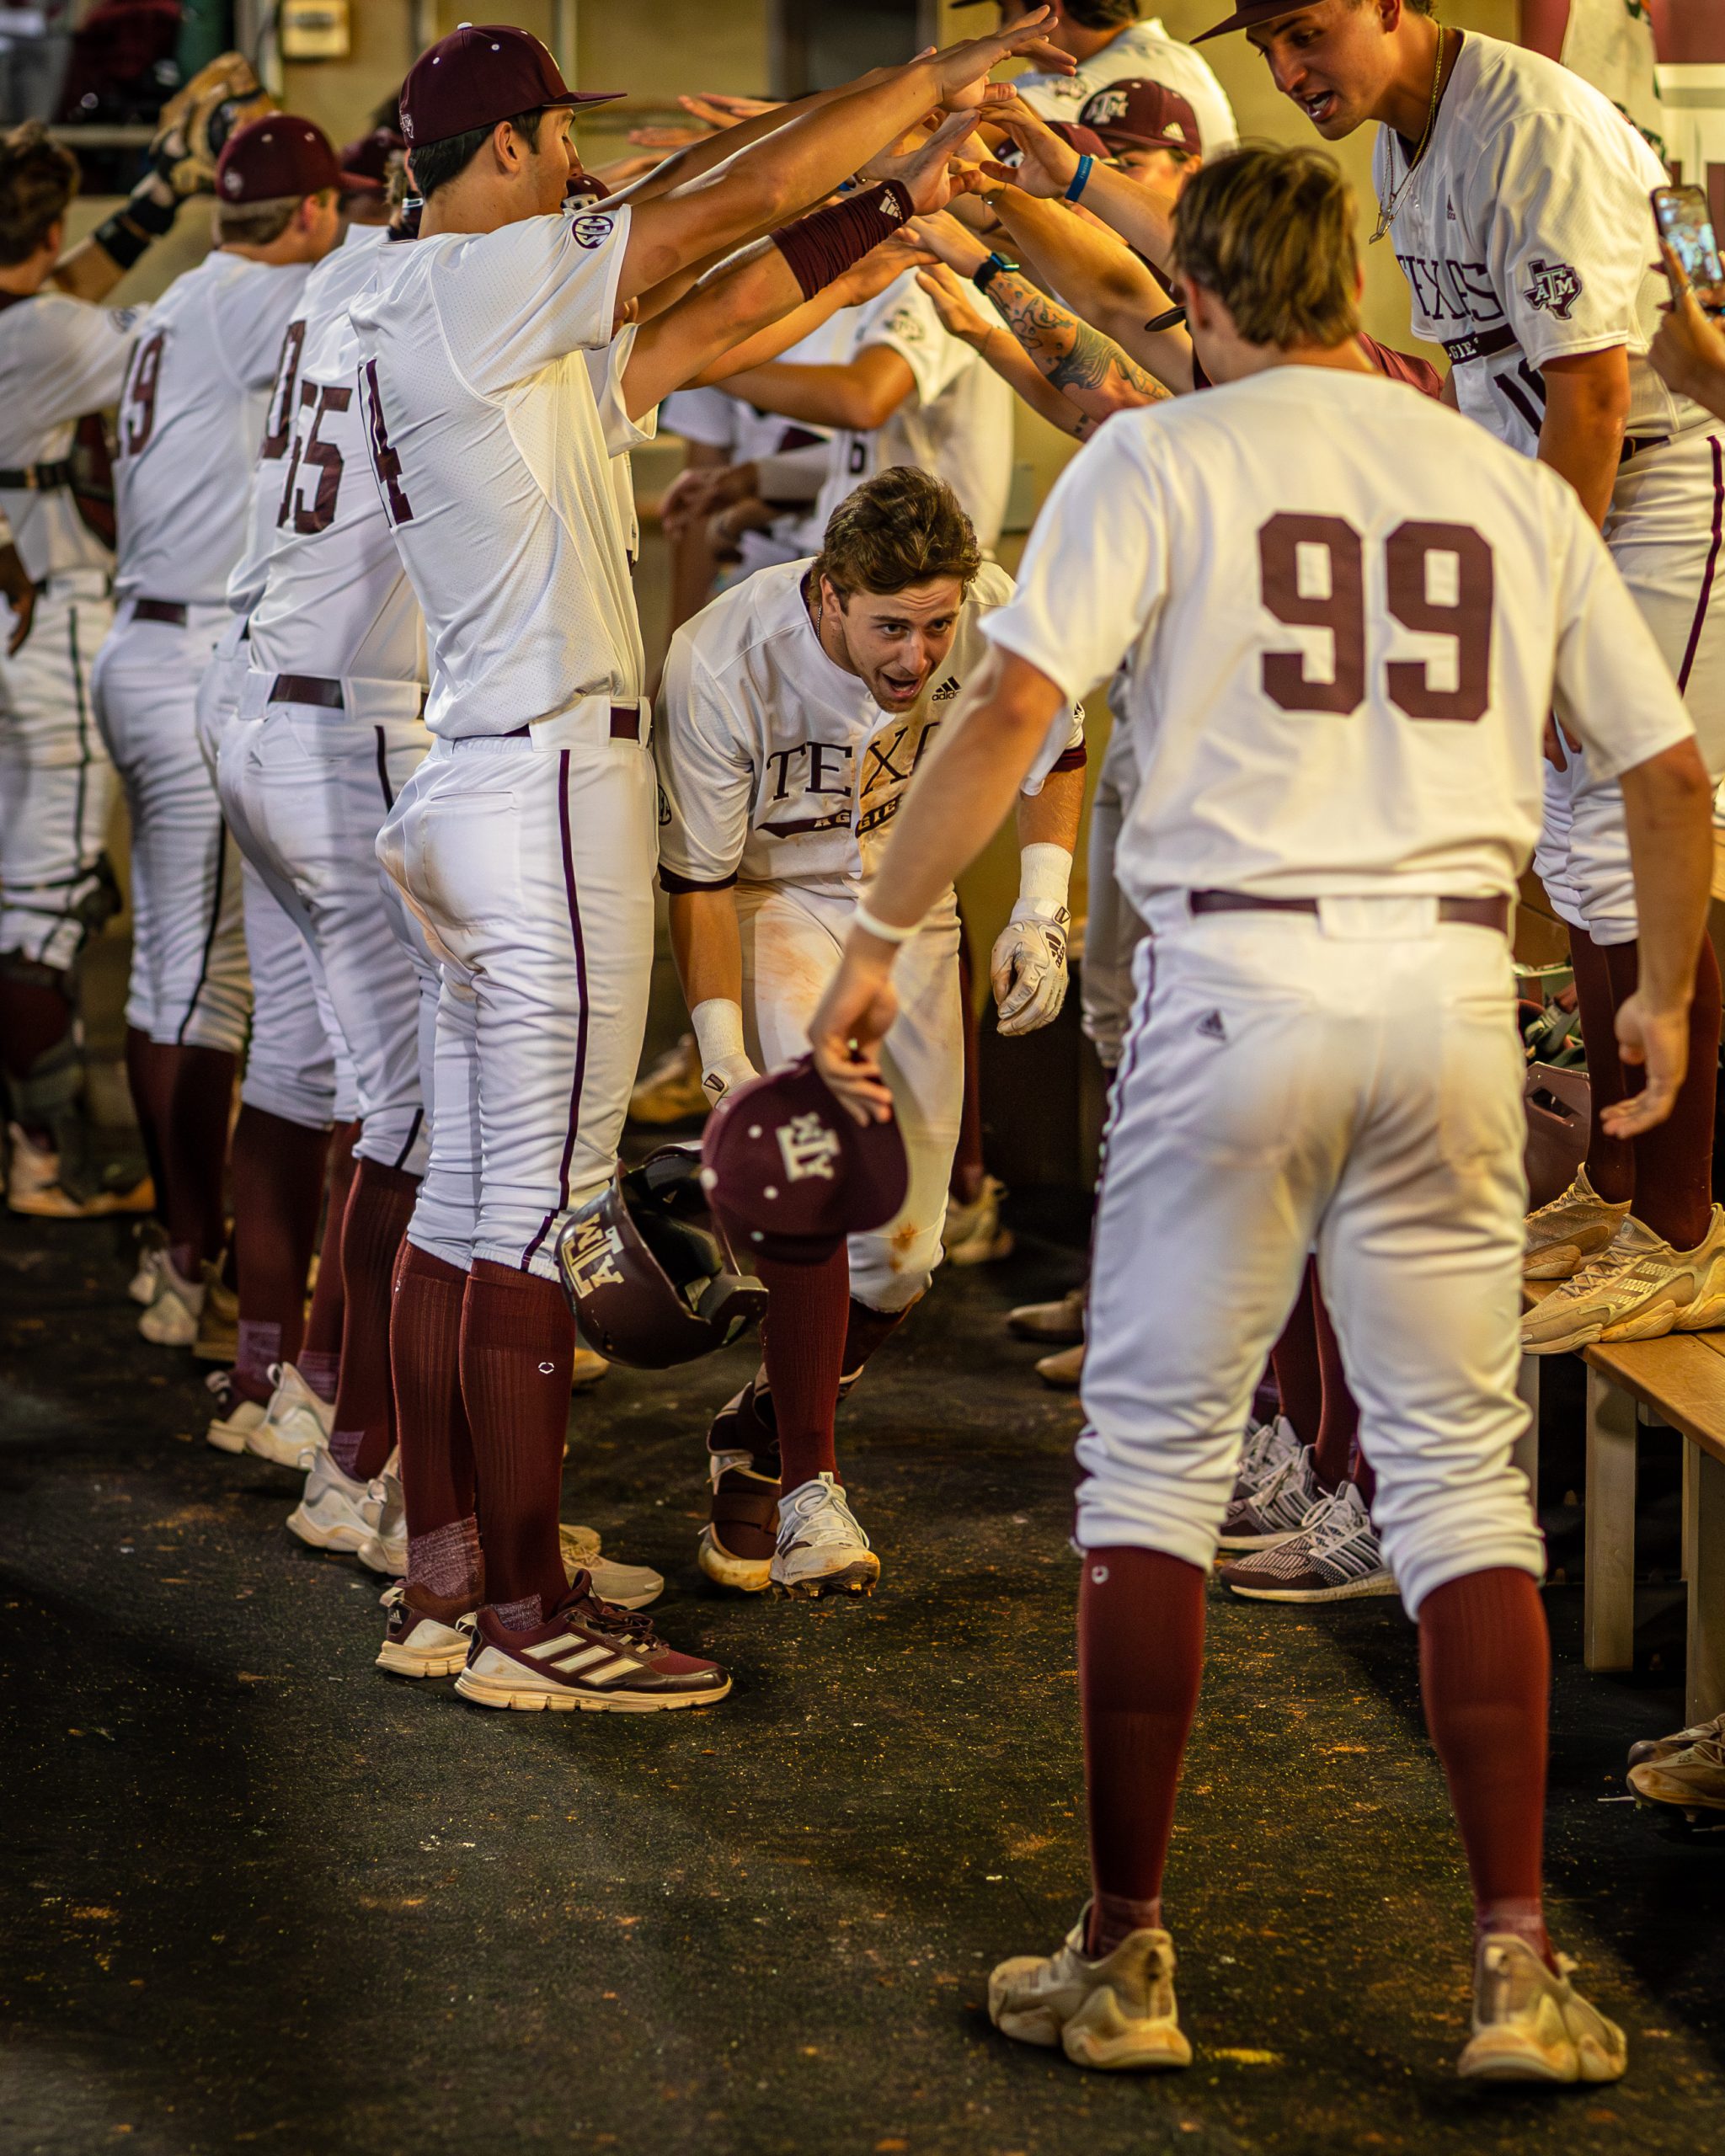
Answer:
(821, 1548)
(296, 1423)
(1116, 2013)
(229, 1432)
(337, 1513)
(385, 1550)
(630, 1586)
(170, 1319)
(1530, 2025)
(415, 1645)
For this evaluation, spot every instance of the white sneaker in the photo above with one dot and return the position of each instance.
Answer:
(972, 1234)
(821, 1549)
(336, 1513)
(631, 1586)
(1275, 1489)
(142, 1286)
(230, 1430)
(415, 1645)
(1118, 2012)
(296, 1424)
(1530, 2025)
(385, 1550)
(1335, 1558)
(175, 1305)
(1637, 1288)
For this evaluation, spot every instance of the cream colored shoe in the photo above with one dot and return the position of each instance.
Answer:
(1116, 2013)
(972, 1234)
(586, 1370)
(1530, 2025)
(1064, 1372)
(1638, 1288)
(1563, 1235)
(170, 1319)
(671, 1091)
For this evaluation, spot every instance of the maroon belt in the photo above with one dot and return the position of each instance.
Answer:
(1469, 913)
(625, 725)
(307, 689)
(171, 611)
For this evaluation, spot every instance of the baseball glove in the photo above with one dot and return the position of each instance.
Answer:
(199, 118)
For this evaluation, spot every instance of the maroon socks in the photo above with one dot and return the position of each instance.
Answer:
(1333, 1452)
(378, 1210)
(1140, 1657)
(320, 1357)
(865, 1330)
(425, 1357)
(1485, 1674)
(277, 1172)
(804, 1347)
(1611, 1161)
(35, 1015)
(1295, 1360)
(517, 1347)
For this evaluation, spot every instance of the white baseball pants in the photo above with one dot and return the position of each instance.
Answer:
(189, 985)
(792, 939)
(1665, 531)
(528, 863)
(1352, 1082)
(297, 1065)
(56, 784)
(305, 791)
(1112, 929)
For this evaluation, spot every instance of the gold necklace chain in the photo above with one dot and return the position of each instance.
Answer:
(1387, 210)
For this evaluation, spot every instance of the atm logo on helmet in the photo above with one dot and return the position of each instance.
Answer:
(589, 1257)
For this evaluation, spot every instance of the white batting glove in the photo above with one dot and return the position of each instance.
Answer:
(1027, 968)
(718, 1035)
(724, 1076)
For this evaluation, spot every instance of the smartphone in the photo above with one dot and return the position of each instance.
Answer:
(1686, 228)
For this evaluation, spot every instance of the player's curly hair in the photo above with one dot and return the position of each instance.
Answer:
(901, 527)
(1270, 231)
(38, 178)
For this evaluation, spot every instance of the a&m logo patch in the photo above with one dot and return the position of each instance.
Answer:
(1554, 286)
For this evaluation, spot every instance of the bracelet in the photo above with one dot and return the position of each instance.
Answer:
(1081, 178)
(985, 273)
(889, 931)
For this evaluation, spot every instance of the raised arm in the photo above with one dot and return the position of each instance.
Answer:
(1100, 278)
(996, 349)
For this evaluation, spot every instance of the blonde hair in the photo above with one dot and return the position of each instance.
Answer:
(1270, 231)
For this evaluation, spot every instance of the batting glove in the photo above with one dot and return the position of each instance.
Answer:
(724, 1076)
(1027, 967)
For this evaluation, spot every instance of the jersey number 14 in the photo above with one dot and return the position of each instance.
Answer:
(1464, 614)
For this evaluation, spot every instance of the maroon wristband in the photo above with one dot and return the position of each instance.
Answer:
(823, 245)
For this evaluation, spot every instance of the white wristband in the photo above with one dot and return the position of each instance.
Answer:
(889, 931)
(1044, 879)
(719, 1030)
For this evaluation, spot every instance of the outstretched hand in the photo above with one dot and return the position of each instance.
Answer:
(854, 1017)
(958, 319)
(924, 169)
(1657, 1040)
(695, 495)
(951, 242)
(1049, 163)
(963, 69)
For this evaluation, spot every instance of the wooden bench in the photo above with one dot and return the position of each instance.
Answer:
(1679, 1381)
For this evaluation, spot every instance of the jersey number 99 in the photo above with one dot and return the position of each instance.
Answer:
(1465, 617)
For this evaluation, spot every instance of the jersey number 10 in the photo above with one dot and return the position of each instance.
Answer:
(1466, 617)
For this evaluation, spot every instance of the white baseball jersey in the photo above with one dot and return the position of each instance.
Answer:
(487, 442)
(1144, 49)
(1526, 235)
(60, 358)
(335, 600)
(339, 269)
(777, 766)
(621, 434)
(191, 414)
(1345, 615)
(957, 423)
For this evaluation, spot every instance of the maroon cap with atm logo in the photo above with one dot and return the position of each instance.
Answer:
(477, 75)
(1136, 113)
(277, 157)
(793, 1174)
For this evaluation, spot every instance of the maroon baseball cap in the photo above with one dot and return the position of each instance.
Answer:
(793, 1174)
(477, 75)
(1136, 113)
(366, 160)
(1250, 13)
(276, 157)
(1084, 139)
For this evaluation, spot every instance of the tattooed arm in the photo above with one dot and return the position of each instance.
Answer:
(1088, 368)
(991, 344)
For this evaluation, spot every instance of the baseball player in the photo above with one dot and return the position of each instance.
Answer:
(1516, 198)
(1109, 44)
(61, 359)
(192, 409)
(1345, 617)
(525, 842)
(795, 707)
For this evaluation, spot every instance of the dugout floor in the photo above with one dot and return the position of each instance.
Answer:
(255, 1893)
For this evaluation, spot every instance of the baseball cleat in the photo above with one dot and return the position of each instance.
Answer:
(1278, 1497)
(1116, 2013)
(416, 1643)
(1064, 1372)
(1637, 1288)
(385, 1549)
(631, 1586)
(972, 1234)
(35, 1185)
(296, 1423)
(586, 1369)
(590, 1656)
(217, 1338)
(1563, 1235)
(1530, 2023)
(737, 1543)
(1335, 1558)
(1664, 1747)
(1051, 1325)
(1692, 1779)
(336, 1513)
(821, 1549)
(671, 1091)
(170, 1319)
